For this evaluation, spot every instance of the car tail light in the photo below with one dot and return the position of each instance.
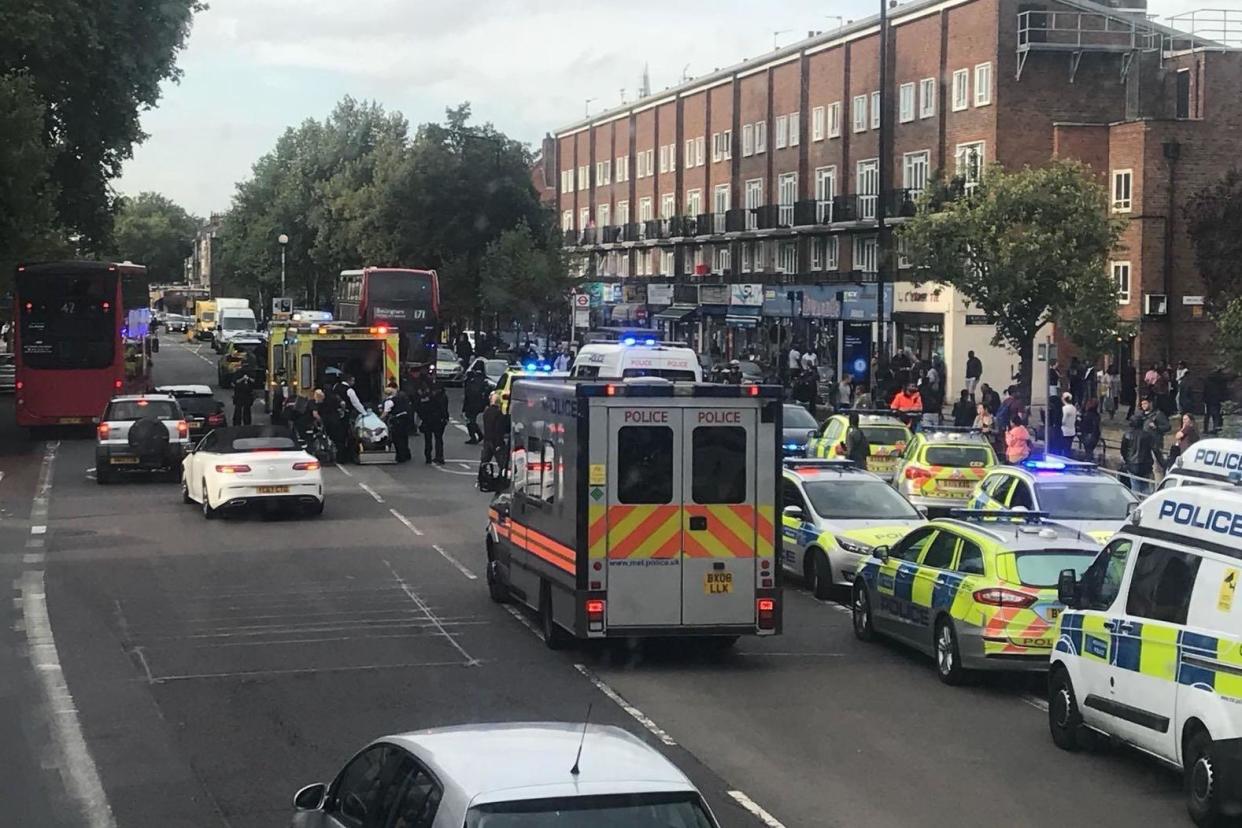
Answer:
(610, 390)
(103, 430)
(916, 473)
(233, 468)
(117, 384)
(753, 391)
(309, 465)
(183, 428)
(215, 419)
(999, 597)
(765, 611)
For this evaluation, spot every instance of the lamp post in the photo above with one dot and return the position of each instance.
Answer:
(283, 238)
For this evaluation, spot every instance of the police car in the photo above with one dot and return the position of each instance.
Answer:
(977, 591)
(1077, 494)
(942, 466)
(834, 514)
(887, 435)
(637, 355)
(1216, 462)
(1149, 650)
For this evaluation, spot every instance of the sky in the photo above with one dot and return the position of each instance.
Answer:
(251, 68)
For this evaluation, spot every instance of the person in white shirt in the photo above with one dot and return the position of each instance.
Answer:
(809, 360)
(1069, 423)
(562, 361)
(795, 359)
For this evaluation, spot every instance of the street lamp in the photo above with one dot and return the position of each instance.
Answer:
(283, 238)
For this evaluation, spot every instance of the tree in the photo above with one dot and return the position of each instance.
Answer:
(522, 281)
(154, 231)
(1214, 223)
(1028, 248)
(94, 67)
(1229, 333)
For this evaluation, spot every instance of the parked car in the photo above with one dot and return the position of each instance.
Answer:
(144, 432)
(235, 356)
(242, 466)
(202, 410)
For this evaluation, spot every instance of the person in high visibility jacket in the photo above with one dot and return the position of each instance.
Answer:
(908, 404)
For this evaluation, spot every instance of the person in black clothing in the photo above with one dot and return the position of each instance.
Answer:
(464, 350)
(989, 398)
(1129, 391)
(974, 371)
(243, 397)
(1089, 427)
(474, 401)
(434, 412)
(1215, 390)
(805, 390)
(857, 446)
(963, 410)
(398, 413)
(495, 433)
(1139, 455)
(346, 448)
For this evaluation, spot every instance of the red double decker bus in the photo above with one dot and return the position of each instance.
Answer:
(401, 298)
(80, 339)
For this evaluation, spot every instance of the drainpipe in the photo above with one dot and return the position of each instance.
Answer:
(1172, 152)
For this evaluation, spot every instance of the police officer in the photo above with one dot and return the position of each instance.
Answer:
(495, 433)
(433, 411)
(243, 396)
(347, 405)
(397, 414)
(474, 401)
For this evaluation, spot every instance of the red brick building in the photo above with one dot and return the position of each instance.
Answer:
(767, 171)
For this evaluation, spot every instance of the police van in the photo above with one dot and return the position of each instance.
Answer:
(637, 356)
(1149, 649)
(640, 508)
(1215, 462)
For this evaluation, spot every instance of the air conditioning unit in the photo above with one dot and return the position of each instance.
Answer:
(1156, 304)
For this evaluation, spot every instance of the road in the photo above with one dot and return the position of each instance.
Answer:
(178, 672)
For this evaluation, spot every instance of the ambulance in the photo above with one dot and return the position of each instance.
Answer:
(639, 509)
(637, 355)
(1215, 462)
(315, 354)
(1149, 648)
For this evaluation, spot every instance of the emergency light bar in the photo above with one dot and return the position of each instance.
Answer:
(1053, 463)
(679, 389)
(819, 463)
(980, 515)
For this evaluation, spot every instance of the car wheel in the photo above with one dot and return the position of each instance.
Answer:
(496, 589)
(1064, 717)
(863, 629)
(820, 584)
(948, 656)
(102, 474)
(1203, 795)
(553, 636)
(208, 512)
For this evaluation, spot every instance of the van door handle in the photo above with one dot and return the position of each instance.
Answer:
(698, 523)
(1113, 626)
(1127, 627)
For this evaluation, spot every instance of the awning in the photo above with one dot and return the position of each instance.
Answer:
(743, 316)
(712, 311)
(674, 313)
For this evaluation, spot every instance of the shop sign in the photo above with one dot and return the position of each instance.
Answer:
(1192, 300)
(612, 293)
(921, 298)
(749, 295)
(714, 294)
(595, 290)
(633, 292)
(976, 319)
(659, 294)
(821, 302)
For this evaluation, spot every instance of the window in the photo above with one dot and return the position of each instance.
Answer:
(666, 263)
(961, 89)
(927, 97)
(748, 257)
(1162, 583)
(540, 482)
(748, 140)
(817, 124)
(970, 163)
(672, 157)
(719, 464)
(761, 137)
(1121, 278)
(940, 554)
(782, 131)
(824, 253)
(834, 120)
(603, 172)
(717, 154)
(825, 190)
(567, 220)
(641, 165)
(650, 162)
(645, 464)
(689, 153)
(663, 159)
(368, 776)
(720, 259)
(727, 149)
(905, 106)
(1021, 496)
(868, 186)
(983, 84)
(623, 213)
(644, 209)
(865, 254)
(912, 545)
(720, 199)
(643, 263)
(970, 561)
(875, 110)
(567, 181)
(698, 151)
(859, 111)
(787, 194)
(603, 217)
(308, 371)
(754, 200)
(694, 202)
(1183, 93)
(790, 496)
(668, 205)
(623, 168)
(1101, 582)
(788, 258)
(584, 177)
(418, 802)
(795, 129)
(761, 256)
(914, 172)
(1123, 182)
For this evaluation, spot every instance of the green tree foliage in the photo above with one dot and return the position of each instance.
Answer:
(1214, 222)
(1229, 333)
(153, 230)
(93, 67)
(522, 280)
(1028, 247)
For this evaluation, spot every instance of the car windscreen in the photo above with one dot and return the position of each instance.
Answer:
(1084, 500)
(857, 498)
(207, 316)
(124, 410)
(795, 416)
(884, 435)
(262, 444)
(958, 456)
(236, 322)
(1041, 568)
(200, 406)
(676, 810)
(664, 373)
(446, 355)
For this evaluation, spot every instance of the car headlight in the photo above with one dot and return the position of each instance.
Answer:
(855, 547)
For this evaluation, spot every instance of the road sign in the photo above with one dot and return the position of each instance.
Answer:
(582, 317)
(282, 307)
(582, 300)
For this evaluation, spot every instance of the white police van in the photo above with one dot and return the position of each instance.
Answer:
(637, 355)
(1149, 649)
(1215, 462)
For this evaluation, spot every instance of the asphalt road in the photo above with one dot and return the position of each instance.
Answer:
(214, 668)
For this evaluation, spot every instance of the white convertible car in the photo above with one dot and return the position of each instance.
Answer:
(243, 466)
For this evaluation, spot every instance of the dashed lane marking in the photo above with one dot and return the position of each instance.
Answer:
(458, 564)
(752, 806)
(638, 715)
(409, 524)
(374, 494)
(523, 620)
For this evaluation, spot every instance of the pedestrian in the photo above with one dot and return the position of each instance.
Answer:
(397, 414)
(1187, 435)
(1129, 391)
(1150, 379)
(1089, 428)
(1185, 397)
(349, 407)
(845, 391)
(1215, 391)
(908, 404)
(1155, 421)
(1017, 441)
(810, 360)
(857, 446)
(863, 400)
(988, 398)
(795, 360)
(243, 398)
(986, 423)
(464, 349)
(474, 401)
(1108, 391)
(734, 375)
(1069, 424)
(806, 392)
(1162, 391)
(495, 434)
(1139, 455)
(964, 410)
(562, 361)
(1054, 379)
(974, 372)
(1053, 438)
(434, 412)
(1077, 378)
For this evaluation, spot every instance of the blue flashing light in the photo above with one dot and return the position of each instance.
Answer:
(649, 341)
(545, 367)
(1044, 465)
(795, 446)
(530, 366)
(629, 340)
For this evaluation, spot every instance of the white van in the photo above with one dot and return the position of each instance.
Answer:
(1216, 462)
(232, 323)
(637, 356)
(1149, 648)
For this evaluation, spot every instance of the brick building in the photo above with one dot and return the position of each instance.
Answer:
(766, 173)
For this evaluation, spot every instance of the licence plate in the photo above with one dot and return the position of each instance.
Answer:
(1054, 613)
(718, 583)
(124, 461)
(958, 484)
(73, 420)
(272, 489)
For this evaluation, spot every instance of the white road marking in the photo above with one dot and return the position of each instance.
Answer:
(1035, 701)
(523, 620)
(460, 567)
(638, 715)
(454, 471)
(471, 661)
(752, 806)
(347, 472)
(371, 492)
(409, 524)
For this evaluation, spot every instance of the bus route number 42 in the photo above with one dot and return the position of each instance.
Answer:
(718, 583)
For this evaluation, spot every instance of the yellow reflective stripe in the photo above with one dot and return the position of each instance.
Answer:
(1158, 655)
(655, 541)
(619, 530)
(595, 514)
(1093, 625)
(923, 586)
(763, 540)
(1229, 651)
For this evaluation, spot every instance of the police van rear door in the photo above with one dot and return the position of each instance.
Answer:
(719, 516)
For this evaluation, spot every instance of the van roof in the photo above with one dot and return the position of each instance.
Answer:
(1215, 459)
(1199, 516)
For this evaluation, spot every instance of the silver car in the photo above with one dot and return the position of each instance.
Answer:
(142, 432)
(506, 776)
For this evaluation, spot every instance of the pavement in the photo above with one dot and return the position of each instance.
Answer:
(159, 670)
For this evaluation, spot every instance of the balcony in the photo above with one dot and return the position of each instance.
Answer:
(688, 225)
(805, 213)
(785, 215)
(767, 217)
(631, 231)
(736, 220)
(610, 234)
(720, 223)
(901, 204)
(845, 208)
(570, 238)
(589, 235)
(705, 224)
(867, 203)
(650, 229)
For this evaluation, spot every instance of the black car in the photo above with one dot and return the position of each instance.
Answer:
(202, 410)
(798, 427)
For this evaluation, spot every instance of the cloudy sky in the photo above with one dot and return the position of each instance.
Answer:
(253, 67)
